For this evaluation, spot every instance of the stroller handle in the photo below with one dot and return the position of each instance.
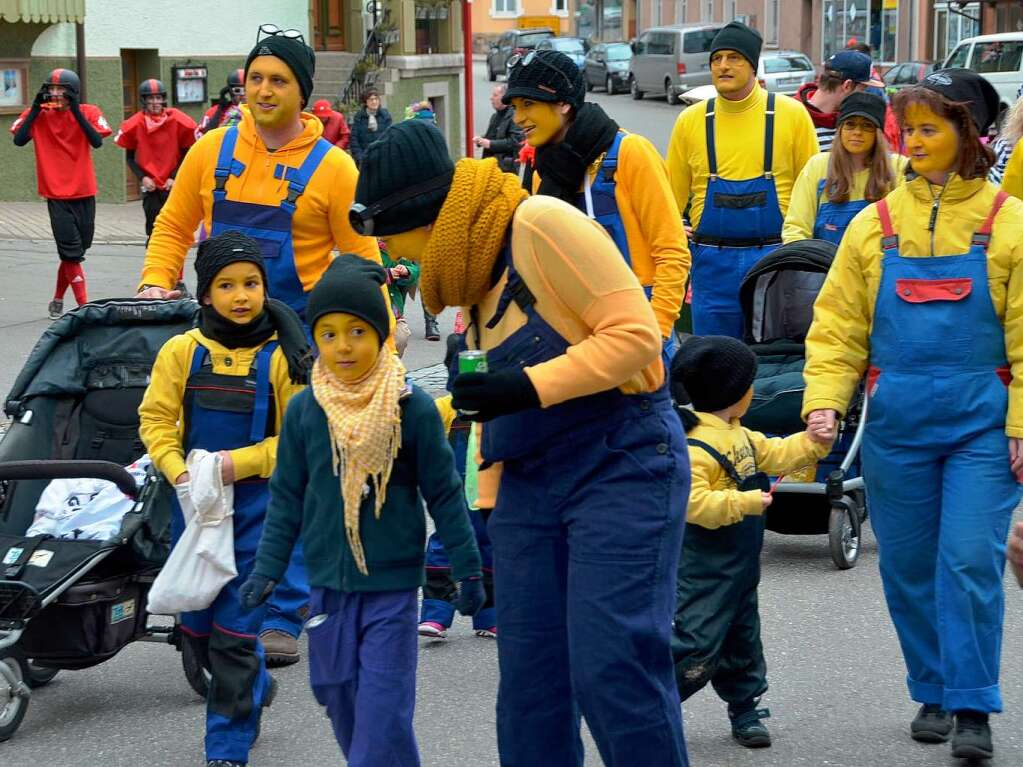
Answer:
(71, 470)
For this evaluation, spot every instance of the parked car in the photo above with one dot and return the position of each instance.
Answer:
(999, 58)
(607, 66)
(570, 46)
(508, 44)
(785, 71)
(671, 60)
(906, 74)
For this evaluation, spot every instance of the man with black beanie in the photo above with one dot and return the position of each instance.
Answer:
(733, 160)
(717, 621)
(614, 177)
(274, 178)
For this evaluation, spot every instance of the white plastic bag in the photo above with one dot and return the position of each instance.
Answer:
(202, 561)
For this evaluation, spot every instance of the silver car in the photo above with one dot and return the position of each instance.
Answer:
(671, 60)
(785, 71)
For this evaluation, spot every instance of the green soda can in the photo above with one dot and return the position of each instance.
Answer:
(472, 361)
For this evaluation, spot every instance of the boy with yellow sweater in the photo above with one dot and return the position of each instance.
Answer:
(717, 624)
(739, 184)
(614, 177)
(223, 387)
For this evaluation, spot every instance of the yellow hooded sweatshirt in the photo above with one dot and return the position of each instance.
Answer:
(320, 223)
(838, 344)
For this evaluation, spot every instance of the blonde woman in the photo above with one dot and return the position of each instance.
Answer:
(834, 186)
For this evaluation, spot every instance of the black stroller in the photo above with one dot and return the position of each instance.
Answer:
(65, 603)
(777, 297)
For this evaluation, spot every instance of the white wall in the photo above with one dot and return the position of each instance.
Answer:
(175, 27)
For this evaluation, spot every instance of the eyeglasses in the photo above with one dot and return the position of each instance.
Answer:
(272, 30)
(864, 126)
(361, 217)
(524, 60)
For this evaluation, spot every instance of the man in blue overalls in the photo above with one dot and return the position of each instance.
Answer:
(274, 178)
(614, 177)
(736, 191)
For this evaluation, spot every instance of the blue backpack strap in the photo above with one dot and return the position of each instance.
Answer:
(199, 356)
(299, 178)
(261, 407)
(769, 135)
(820, 192)
(609, 164)
(712, 158)
(226, 164)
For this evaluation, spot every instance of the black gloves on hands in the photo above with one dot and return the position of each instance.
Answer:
(225, 97)
(484, 396)
(41, 97)
(256, 590)
(73, 102)
(471, 596)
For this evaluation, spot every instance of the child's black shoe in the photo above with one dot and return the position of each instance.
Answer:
(932, 724)
(972, 737)
(748, 729)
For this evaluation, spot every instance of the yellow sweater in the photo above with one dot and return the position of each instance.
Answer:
(653, 226)
(714, 500)
(802, 214)
(319, 225)
(739, 141)
(586, 292)
(838, 344)
(161, 413)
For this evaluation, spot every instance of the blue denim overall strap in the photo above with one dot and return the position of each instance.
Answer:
(519, 434)
(833, 217)
(936, 464)
(269, 225)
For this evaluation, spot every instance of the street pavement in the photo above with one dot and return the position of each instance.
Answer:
(837, 695)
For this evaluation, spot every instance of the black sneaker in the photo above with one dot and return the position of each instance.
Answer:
(55, 309)
(932, 724)
(749, 731)
(432, 330)
(972, 737)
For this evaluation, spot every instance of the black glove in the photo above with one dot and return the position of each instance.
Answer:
(225, 97)
(73, 101)
(256, 590)
(471, 596)
(483, 396)
(41, 97)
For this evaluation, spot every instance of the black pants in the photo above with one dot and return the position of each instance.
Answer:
(73, 223)
(152, 204)
(717, 620)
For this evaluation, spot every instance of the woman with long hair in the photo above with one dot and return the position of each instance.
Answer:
(923, 299)
(834, 186)
(1008, 137)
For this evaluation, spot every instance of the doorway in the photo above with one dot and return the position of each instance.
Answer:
(328, 22)
(137, 64)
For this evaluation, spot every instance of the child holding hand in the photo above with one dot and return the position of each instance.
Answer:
(717, 623)
(359, 448)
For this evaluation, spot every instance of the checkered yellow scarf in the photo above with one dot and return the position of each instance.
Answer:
(364, 419)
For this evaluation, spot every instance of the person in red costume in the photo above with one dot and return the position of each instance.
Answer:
(156, 139)
(335, 127)
(64, 129)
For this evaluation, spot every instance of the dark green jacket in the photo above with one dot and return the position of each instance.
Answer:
(305, 500)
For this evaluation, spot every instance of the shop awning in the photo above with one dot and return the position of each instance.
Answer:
(42, 11)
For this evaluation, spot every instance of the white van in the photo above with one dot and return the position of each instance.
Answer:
(999, 58)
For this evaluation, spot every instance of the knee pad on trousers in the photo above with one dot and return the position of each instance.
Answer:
(234, 664)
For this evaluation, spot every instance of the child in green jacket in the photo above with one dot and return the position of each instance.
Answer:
(361, 440)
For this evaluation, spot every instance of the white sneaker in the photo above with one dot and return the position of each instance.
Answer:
(490, 633)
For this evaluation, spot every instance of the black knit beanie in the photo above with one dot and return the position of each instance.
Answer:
(963, 86)
(551, 76)
(222, 250)
(297, 55)
(351, 285)
(715, 371)
(736, 36)
(409, 153)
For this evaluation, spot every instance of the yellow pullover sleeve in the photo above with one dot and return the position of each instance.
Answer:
(258, 460)
(447, 413)
(655, 225)
(713, 500)
(679, 173)
(785, 455)
(802, 214)
(160, 411)
(1012, 180)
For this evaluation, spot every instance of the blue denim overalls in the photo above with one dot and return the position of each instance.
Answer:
(833, 217)
(936, 464)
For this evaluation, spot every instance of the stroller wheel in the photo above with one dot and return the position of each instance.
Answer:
(39, 676)
(14, 694)
(844, 536)
(196, 672)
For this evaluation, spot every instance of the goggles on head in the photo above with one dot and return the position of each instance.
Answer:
(362, 217)
(525, 59)
(272, 30)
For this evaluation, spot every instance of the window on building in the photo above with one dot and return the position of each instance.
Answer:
(559, 7)
(505, 7)
(681, 11)
(874, 22)
(707, 10)
(731, 10)
(952, 25)
(770, 23)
